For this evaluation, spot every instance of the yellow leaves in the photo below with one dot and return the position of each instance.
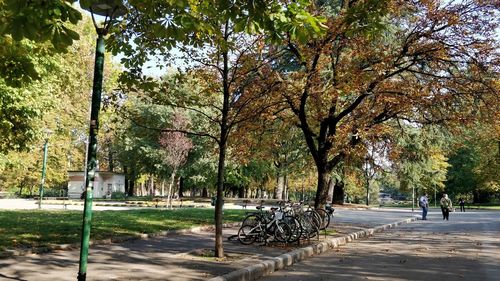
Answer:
(453, 19)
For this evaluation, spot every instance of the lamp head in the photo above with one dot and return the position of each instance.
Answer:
(47, 133)
(106, 8)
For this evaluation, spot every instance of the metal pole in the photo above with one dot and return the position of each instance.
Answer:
(413, 198)
(91, 156)
(44, 166)
(435, 197)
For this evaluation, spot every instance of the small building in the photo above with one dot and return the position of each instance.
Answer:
(105, 184)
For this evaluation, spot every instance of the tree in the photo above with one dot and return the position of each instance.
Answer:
(425, 62)
(212, 33)
(138, 148)
(25, 23)
(272, 138)
(474, 162)
(419, 160)
(177, 146)
(52, 102)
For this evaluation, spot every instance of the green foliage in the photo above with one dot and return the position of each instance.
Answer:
(475, 163)
(53, 193)
(421, 162)
(40, 21)
(29, 29)
(57, 101)
(145, 33)
(461, 172)
(138, 138)
(118, 195)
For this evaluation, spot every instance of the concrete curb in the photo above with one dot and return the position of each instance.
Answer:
(267, 267)
(66, 247)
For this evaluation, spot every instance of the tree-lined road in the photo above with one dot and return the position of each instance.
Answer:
(465, 248)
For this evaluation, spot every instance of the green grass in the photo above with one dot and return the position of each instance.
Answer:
(328, 232)
(483, 206)
(34, 229)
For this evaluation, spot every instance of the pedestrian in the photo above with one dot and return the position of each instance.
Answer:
(446, 206)
(461, 202)
(423, 202)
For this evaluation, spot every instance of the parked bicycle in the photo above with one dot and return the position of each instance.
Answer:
(262, 226)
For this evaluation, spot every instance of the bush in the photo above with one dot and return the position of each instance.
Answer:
(54, 193)
(118, 195)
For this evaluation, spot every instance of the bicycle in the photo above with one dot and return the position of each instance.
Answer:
(263, 226)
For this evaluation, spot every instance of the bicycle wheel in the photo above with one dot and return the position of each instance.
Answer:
(309, 226)
(294, 224)
(251, 220)
(282, 232)
(324, 218)
(247, 234)
(314, 217)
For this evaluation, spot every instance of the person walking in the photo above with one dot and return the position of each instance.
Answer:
(423, 202)
(446, 206)
(461, 202)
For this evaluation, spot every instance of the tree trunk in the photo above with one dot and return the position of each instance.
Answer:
(125, 170)
(111, 166)
(324, 176)
(278, 193)
(219, 248)
(131, 188)
(224, 134)
(285, 187)
(338, 193)
(331, 186)
(181, 187)
(151, 186)
(31, 190)
(162, 187)
(367, 192)
(170, 186)
(204, 192)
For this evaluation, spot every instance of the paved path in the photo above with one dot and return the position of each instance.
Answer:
(177, 257)
(465, 248)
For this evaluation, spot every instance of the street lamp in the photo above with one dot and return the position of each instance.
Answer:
(109, 9)
(413, 198)
(47, 132)
(435, 197)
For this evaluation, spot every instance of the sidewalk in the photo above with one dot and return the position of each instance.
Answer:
(188, 256)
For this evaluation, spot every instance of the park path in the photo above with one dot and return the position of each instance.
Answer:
(176, 257)
(465, 248)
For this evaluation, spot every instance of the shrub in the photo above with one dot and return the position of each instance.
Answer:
(118, 195)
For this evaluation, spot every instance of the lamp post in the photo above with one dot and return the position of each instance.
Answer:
(413, 198)
(109, 9)
(44, 166)
(435, 197)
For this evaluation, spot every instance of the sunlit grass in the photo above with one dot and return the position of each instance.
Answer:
(40, 228)
(486, 207)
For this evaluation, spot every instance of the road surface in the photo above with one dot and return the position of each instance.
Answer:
(465, 248)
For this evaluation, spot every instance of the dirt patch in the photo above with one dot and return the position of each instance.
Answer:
(209, 255)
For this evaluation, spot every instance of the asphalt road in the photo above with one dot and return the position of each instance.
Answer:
(465, 248)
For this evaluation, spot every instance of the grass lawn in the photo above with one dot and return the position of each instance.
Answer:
(483, 207)
(35, 228)
(456, 206)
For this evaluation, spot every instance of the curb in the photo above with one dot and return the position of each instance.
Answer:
(267, 267)
(120, 239)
